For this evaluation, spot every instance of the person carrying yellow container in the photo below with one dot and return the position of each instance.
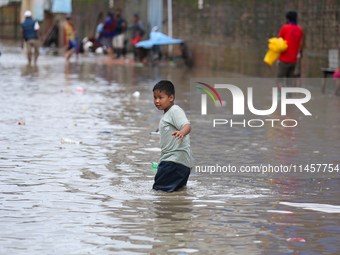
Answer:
(292, 34)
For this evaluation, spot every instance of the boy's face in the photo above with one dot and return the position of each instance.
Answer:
(162, 101)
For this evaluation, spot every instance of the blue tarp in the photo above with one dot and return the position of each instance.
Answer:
(62, 6)
(157, 38)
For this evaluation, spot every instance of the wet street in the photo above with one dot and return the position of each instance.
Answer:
(95, 197)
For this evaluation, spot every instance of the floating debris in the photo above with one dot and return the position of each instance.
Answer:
(80, 89)
(69, 141)
(136, 94)
(296, 239)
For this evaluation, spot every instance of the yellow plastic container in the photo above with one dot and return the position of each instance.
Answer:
(271, 57)
(276, 47)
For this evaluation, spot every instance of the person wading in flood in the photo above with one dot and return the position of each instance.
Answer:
(30, 31)
(118, 39)
(107, 35)
(69, 38)
(176, 159)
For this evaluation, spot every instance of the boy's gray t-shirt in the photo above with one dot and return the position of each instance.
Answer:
(172, 149)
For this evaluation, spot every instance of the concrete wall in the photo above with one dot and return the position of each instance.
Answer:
(86, 15)
(10, 21)
(232, 35)
(26, 5)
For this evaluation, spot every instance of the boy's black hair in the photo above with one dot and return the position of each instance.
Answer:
(165, 86)
(292, 16)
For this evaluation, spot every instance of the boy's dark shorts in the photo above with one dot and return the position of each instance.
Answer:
(171, 176)
(285, 70)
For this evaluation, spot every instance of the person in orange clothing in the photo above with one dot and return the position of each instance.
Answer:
(69, 37)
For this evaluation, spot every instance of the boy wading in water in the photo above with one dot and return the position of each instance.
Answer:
(176, 157)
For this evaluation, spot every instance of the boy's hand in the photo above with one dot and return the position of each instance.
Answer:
(178, 135)
(183, 132)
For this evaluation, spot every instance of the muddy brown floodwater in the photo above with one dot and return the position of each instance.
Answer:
(96, 197)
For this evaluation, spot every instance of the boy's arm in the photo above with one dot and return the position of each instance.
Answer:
(183, 132)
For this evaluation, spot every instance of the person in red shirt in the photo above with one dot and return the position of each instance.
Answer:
(293, 34)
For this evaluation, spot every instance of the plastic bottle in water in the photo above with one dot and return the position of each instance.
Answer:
(154, 167)
(69, 141)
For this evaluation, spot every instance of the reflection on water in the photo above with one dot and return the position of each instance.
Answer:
(96, 197)
(313, 140)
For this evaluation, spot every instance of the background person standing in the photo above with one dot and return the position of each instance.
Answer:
(292, 33)
(138, 31)
(30, 31)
